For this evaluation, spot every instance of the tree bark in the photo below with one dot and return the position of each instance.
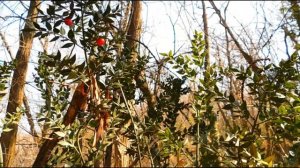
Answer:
(133, 36)
(134, 29)
(8, 139)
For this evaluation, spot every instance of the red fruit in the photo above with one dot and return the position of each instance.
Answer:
(68, 21)
(100, 42)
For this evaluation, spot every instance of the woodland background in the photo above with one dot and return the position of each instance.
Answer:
(226, 92)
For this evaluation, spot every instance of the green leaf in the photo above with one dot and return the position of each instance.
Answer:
(62, 31)
(93, 123)
(107, 11)
(72, 75)
(107, 59)
(2, 86)
(65, 72)
(290, 85)
(80, 67)
(90, 23)
(96, 17)
(48, 26)
(60, 134)
(227, 107)
(41, 119)
(36, 25)
(56, 31)
(54, 38)
(72, 59)
(282, 109)
(117, 85)
(51, 10)
(57, 23)
(71, 34)
(67, 45)
(44, 35)
(64, 143)
(37, 34)
(231, 98)
(164, 54)
(7, 130)
(58, 56)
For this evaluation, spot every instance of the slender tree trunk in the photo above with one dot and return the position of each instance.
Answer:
(133, 36)
(206, 38)
(8, 139)
(134, 29)
(29, 119)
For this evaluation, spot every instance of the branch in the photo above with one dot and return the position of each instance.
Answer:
(247, 57)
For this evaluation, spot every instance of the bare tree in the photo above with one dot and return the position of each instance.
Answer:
(247, 57)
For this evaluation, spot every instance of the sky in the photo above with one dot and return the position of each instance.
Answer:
(158, 32)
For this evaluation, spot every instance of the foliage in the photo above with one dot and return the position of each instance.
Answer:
(5, 72)
(91, 20)
(259, 118)
(275, 94)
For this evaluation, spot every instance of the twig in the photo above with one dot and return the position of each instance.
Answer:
(134, 125)
(83, 37)
(247, 57)
(224, 117)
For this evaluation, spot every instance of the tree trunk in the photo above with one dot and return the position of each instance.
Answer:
(30, 119)
(8, 139)
(206, 39)
(78, 103)
(134, 29)
(133, 36)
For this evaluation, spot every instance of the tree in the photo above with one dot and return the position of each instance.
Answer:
(8, 139)
(110, 101)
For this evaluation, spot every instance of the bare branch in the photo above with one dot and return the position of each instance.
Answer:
(247, 57)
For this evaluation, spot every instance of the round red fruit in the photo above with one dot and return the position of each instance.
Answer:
(100, 42)
(68, 21)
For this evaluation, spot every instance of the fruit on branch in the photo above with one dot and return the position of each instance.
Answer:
(100, 42)
(68, 21)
